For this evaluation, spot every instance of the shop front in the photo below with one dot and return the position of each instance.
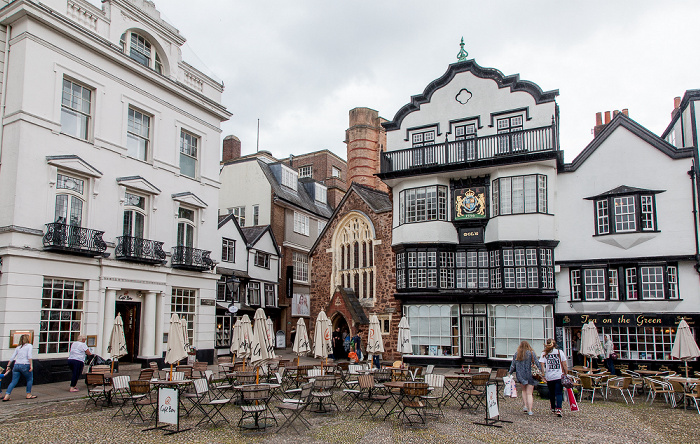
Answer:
(476, 333)
(641, 339)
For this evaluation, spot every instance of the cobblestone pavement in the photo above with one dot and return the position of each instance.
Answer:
(68, 421)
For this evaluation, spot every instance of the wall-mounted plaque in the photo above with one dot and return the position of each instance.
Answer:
(470, 203)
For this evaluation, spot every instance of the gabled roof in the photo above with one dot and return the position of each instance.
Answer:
(298, 197)
(352, 303)
(691, 94)
(513, 82)
(189, 198)
(253, 234)
(378, 201)
(624, 189)
(231, 218)
(138, 183)
(73, 163)
(635, 128)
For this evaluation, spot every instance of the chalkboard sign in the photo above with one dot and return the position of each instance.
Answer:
(559, 336)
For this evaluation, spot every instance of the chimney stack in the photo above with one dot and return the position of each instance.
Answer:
(599, 125)
(676, 103)
(607, 117)
(231, 148)
(625, 112)
(366, 140)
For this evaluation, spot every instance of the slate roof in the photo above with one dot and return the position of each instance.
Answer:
(300, 197)
(624, 189)
(252, 234)
(353, 305)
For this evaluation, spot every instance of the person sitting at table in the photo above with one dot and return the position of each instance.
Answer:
(522, 366)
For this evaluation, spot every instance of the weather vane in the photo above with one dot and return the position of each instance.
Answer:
(462, 55)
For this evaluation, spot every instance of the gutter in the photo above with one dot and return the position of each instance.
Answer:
(693, 184)
(8, 35)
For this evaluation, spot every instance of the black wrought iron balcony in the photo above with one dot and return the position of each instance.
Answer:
(72, 239)
(137, 249)
(463, 153)
(189, 258)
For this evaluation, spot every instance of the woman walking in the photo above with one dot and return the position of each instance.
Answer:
(553, 363)
(22, 358)
(522, 366)
(76, 360)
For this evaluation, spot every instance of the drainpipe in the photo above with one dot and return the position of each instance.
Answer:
(691, 173)
(5, 65)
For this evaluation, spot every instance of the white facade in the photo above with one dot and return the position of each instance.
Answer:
(94, 135)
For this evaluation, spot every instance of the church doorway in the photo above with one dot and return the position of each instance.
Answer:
(338, 321)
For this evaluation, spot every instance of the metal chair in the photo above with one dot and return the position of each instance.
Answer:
(369, 396)
(141, 399)
(120, 392)
(412, 400)
(202, 401)
(588, 385)
(323, 393)
(156, 371)
(657, 387)
(436, 392)
(98, 389)
(146, 374)
(474, 395)
(255, 407)
(292, 409)
(198, 369)
(621, 384)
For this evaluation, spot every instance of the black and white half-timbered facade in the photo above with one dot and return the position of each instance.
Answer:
(472, 163)
(498, 240)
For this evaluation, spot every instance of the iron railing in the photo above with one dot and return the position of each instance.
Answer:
(470, 150)
(189, 258)
(137, 249)
(73, 239)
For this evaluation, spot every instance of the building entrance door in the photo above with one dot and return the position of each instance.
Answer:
(131, 316)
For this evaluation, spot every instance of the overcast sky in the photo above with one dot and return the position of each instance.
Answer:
(300, 66)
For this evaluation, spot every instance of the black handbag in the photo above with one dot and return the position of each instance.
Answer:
(566, 382)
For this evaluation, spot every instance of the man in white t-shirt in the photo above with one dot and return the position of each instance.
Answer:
(553, 363)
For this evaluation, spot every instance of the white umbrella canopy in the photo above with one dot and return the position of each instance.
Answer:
(375, 343)
(236, 337)
(246, 338)
(684, 346)
(404, 345)
(322, 336)
(261, 349)
(176, 345)
(185, 334)
(301, 339)
(117, 341)
(590, 343)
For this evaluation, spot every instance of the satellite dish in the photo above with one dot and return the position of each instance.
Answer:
(232, 309)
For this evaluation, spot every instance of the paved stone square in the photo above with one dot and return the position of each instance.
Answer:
(67, 421)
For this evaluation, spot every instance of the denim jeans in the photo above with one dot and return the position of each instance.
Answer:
(76, 368)
(555, 393)
(610, 364)
(20, 369)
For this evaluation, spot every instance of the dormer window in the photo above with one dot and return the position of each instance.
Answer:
(625, 210)
(321, 193)
(289, 177)
(141, 50)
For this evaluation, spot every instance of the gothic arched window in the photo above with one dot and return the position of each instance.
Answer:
(353, 256)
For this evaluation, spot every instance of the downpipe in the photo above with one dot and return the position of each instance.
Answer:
(693, 184)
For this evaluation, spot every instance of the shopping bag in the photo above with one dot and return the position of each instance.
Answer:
(506, 385)
(572, 400)
(513, 390)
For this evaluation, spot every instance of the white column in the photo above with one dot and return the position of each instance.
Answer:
(148, 329)
(159, 324)
(108, 321)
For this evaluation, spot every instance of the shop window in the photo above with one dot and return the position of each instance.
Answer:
(61, 314)
(511, 324)
(434, 329)
(183, 303)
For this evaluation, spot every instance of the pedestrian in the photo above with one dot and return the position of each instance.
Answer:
(22, 358)
(356, 343)
(346, 342)
(609, 350)
(293, 335)
(576, 349)
(522, 362)
(76, 360)
(553, 363)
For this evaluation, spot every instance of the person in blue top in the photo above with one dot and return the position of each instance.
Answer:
(356, 343)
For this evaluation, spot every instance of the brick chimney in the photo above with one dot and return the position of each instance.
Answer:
(676, 106)
(599, 125)
(231, 148)
(366, 139)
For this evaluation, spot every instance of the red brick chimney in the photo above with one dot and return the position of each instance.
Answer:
(599, 125)
(231, 148)
(366, 139)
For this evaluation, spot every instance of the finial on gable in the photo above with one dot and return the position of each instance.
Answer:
(462, 55)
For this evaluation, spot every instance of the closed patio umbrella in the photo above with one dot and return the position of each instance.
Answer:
(176, 344)
(261, 349)
(322, 337)
(684, 346)
(236, 337)
(404, 345)
(590, 343)
(246, 338)
(301, 340)
(375, 343)
(117, 342)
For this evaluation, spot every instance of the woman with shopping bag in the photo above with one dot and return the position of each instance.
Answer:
(522, 366)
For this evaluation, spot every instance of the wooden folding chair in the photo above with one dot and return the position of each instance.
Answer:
(369, 396)
(474, 395)
(292, 409)
(98, 389)
(141, 399)
(255, 407)
(413, 405)
(120, 392)
(436, 392)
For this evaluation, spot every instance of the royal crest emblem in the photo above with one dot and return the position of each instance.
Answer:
(470, 203)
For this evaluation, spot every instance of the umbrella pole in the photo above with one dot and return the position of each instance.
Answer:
(171, 372)
(257, 375)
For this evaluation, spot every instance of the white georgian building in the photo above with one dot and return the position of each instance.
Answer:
(109, 171)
